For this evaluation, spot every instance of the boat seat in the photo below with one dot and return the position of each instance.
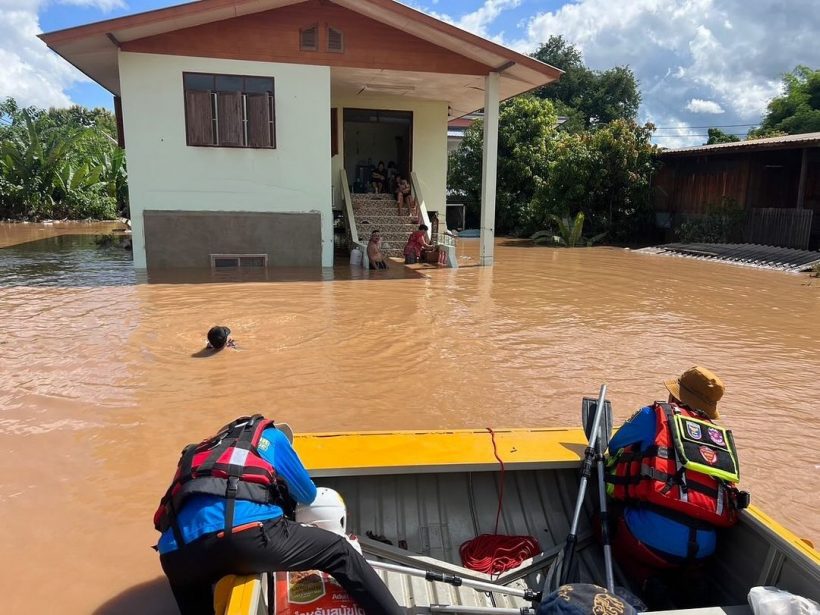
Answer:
(240, 595)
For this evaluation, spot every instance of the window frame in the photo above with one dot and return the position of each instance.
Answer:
(341, 34)
(244, 121)
(318, 45)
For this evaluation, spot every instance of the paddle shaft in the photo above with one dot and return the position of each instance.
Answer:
(480, 610)
(433, 576)
(610, 577)
(586, 471)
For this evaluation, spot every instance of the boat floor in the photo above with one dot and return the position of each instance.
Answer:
(434, 513)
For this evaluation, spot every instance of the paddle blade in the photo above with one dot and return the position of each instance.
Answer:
(588, 407)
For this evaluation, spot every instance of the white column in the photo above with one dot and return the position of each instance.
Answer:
(489, 168)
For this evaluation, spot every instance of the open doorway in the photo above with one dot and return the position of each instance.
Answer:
(371, 136)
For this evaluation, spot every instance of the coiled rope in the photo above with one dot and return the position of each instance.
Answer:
(493, 554)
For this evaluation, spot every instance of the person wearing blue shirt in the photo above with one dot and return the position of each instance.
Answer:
(649, 540)
(650, 526)
(262, 540)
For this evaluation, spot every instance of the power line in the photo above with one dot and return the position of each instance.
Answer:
(710, 126)
(694, 135)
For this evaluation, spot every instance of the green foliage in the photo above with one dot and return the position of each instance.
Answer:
(716, 135)
(722, 223)
(60, 163)
(527, 126)
(604, 173)
(598, 97)
(798, 109)
(568, 233)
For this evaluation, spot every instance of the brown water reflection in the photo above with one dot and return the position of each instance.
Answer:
(99, 389)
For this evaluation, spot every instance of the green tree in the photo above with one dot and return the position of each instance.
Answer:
(527, 126)
(716, 135)
(59, 163)
(596, 97)
(604, 173)
(797, 110)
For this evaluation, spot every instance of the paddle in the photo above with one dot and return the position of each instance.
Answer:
(440, 577)
(589, 408)
(560, 569)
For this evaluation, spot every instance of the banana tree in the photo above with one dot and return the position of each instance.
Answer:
(569, 232)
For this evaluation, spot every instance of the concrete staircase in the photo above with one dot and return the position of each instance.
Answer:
(380, 211)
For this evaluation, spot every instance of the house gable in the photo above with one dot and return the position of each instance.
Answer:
(274, 36)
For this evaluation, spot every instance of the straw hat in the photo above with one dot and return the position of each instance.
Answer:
(698, 388)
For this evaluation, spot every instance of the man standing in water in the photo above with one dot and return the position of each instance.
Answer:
(224, 514)
(676, 471)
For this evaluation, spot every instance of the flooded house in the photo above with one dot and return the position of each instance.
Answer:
(247, 123)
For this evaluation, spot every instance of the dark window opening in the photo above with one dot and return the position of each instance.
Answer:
(309, 38)
(335, 40)
(229, 111)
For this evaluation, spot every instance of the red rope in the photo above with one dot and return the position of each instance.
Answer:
(494, 554)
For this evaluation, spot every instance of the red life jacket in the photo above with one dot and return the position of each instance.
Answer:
(227, 465)
(657, 476)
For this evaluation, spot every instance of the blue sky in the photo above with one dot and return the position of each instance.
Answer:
(699, 62)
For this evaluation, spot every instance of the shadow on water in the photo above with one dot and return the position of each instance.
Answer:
(152, 597)
(79, 261)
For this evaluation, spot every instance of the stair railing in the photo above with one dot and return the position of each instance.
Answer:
(350, 220)
(442, 240)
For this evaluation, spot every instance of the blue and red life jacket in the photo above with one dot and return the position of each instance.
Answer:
(691, 467)
(228, 465)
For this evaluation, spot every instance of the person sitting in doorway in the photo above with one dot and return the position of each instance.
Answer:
(220, 337)
(374, 252)
(670, 505)
(378, 178)
(392, 176)
(417, 245)
(405, 198)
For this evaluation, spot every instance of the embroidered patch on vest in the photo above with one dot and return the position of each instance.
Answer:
(716, 436)
(709, 455)
(694, 430)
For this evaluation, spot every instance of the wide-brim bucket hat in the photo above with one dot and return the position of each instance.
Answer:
(698, 388)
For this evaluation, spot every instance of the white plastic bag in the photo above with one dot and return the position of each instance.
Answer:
(774, 601)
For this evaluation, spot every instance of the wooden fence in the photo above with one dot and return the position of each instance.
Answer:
(774, 226)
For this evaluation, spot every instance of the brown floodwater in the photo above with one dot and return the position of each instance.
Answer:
(101, 385)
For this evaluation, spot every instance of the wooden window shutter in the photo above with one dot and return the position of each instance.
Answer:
(335, 40)
(199, 118)
(229, 116)
(259, 133)
(309, 38)
(334, 132)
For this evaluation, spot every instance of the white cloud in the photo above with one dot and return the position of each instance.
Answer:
(29, 71)
(730, 53)
(477, 21)
(698, 105)
(103, 5)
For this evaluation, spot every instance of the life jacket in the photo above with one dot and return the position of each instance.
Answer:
(691, 467)
(227, 465)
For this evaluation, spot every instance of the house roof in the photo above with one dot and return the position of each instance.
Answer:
(809, 139)
(93, 48)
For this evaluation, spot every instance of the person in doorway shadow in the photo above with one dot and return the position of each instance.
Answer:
(378, 178)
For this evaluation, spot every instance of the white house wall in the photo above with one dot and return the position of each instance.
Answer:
(166, 174)
(429, 142)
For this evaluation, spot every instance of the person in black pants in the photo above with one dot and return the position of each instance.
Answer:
(210, 534)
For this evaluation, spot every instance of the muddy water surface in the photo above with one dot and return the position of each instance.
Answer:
(101, 381)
